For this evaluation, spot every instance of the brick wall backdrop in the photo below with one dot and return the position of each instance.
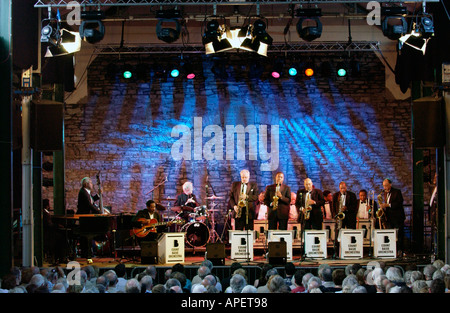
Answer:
(330, 129)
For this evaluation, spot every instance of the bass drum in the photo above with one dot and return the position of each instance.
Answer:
(197, 234)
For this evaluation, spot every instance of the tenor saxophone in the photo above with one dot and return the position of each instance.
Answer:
(241, 204)
(381, 215)
(341, 215)
(275, 198)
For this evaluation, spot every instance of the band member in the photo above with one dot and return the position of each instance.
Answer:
(242, 201)
(328, 205)
(366, 210)
(278, 207)
(86, 201)
(394, 210)
(187, 201)
(293, 213)
(149, 213)
(345, 201)
(260, 207)
(309, 203)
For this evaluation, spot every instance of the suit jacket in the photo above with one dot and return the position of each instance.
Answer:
(84, 203)
(395, 214)
(351, 202)
(316, 215)
(252, 193)
(283, 203)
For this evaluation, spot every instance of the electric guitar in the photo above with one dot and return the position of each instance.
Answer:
(149, 226)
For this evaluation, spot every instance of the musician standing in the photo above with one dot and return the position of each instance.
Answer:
(394, 210)
(86, 201)
(248, 193)
(278, 217)
(364, 206)
(345, 201)
(187, 201)
(310, 197)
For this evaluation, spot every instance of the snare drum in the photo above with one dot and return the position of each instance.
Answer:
(197, 234)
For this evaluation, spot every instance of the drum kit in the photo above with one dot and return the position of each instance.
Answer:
(200, 227)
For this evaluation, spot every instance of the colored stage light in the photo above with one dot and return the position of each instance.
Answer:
(341, 72)
(174, 73)
(293, 71)
(127, 74)
(309, 72)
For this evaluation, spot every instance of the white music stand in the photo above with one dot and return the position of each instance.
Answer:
(385, 243)
(351, 243)
(242, 244)
(316, 244)
(171, 248)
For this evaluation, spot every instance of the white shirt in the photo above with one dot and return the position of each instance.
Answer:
(262, 212)
(327, 211)
(362, 210)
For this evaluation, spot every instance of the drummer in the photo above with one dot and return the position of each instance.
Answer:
(186, 201)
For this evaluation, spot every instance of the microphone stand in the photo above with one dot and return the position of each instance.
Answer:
(157, 186)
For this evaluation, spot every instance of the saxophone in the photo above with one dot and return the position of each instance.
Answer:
(241, 204)
(275, 198)
(308, 208)
(381, 215)
(341, 215)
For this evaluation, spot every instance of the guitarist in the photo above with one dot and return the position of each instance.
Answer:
(148, 213)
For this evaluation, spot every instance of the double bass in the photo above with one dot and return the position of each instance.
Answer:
(103, 210)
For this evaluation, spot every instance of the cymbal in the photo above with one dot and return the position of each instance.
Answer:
(168, 199)
(214, 197)
(176, 209)
(160, 207)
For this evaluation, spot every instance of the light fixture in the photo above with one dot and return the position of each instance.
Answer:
(394, 24)
(50, 32)
(214, 38)
(309, 32)
(260, 40)
(277, 70)
(341, 69)
(127, 71)
(426, 25)
(168, 28)
(92, 28)
(414, 40)
(188, 70)
(69, 42)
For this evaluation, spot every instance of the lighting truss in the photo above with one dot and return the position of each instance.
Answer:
(87, 3)
(302, 47)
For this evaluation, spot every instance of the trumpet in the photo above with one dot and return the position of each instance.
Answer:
(275, 198)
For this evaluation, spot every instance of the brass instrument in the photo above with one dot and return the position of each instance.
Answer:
(380, 214)
(341, 215)
(308, 208)
(241, 204)
(275, 198)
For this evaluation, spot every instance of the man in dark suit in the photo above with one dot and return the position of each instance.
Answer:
(278, 217)
(346, 201)
(86, 201)
(248, 192)
(394, 210)
(312, 199)
(149, 213)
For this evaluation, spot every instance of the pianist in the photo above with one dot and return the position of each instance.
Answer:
(86, 201)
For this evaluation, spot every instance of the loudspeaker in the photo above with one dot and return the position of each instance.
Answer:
(277, 252)
(149, 252)
(215, 252)
(429, 127)
(47, 125)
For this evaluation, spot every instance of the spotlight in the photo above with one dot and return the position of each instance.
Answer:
(49, 34)
(260, 39)
(168, 18)
(414, 40)
(188, 70)
(174, 73)
(277, 70)
(127, 71)
(292, 71)
(92, 28)
(341, 69)
(69, 42)
(394, 24)
(426, 26)
(212, 38)
(309, 71)
(309, 33)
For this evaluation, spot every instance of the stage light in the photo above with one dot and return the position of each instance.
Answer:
(394, 24)
(260, 40)
(309, 72)
(341, 69)
(175, 73)
(214, 39)
(68, 43)
(309, 33)
(127, 71)
(277, 70)
(92, 31)
(426, 26)
(292, 71)
(188, 70)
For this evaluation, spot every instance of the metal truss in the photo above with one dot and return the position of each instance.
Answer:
(302, 47)
(96, 3)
